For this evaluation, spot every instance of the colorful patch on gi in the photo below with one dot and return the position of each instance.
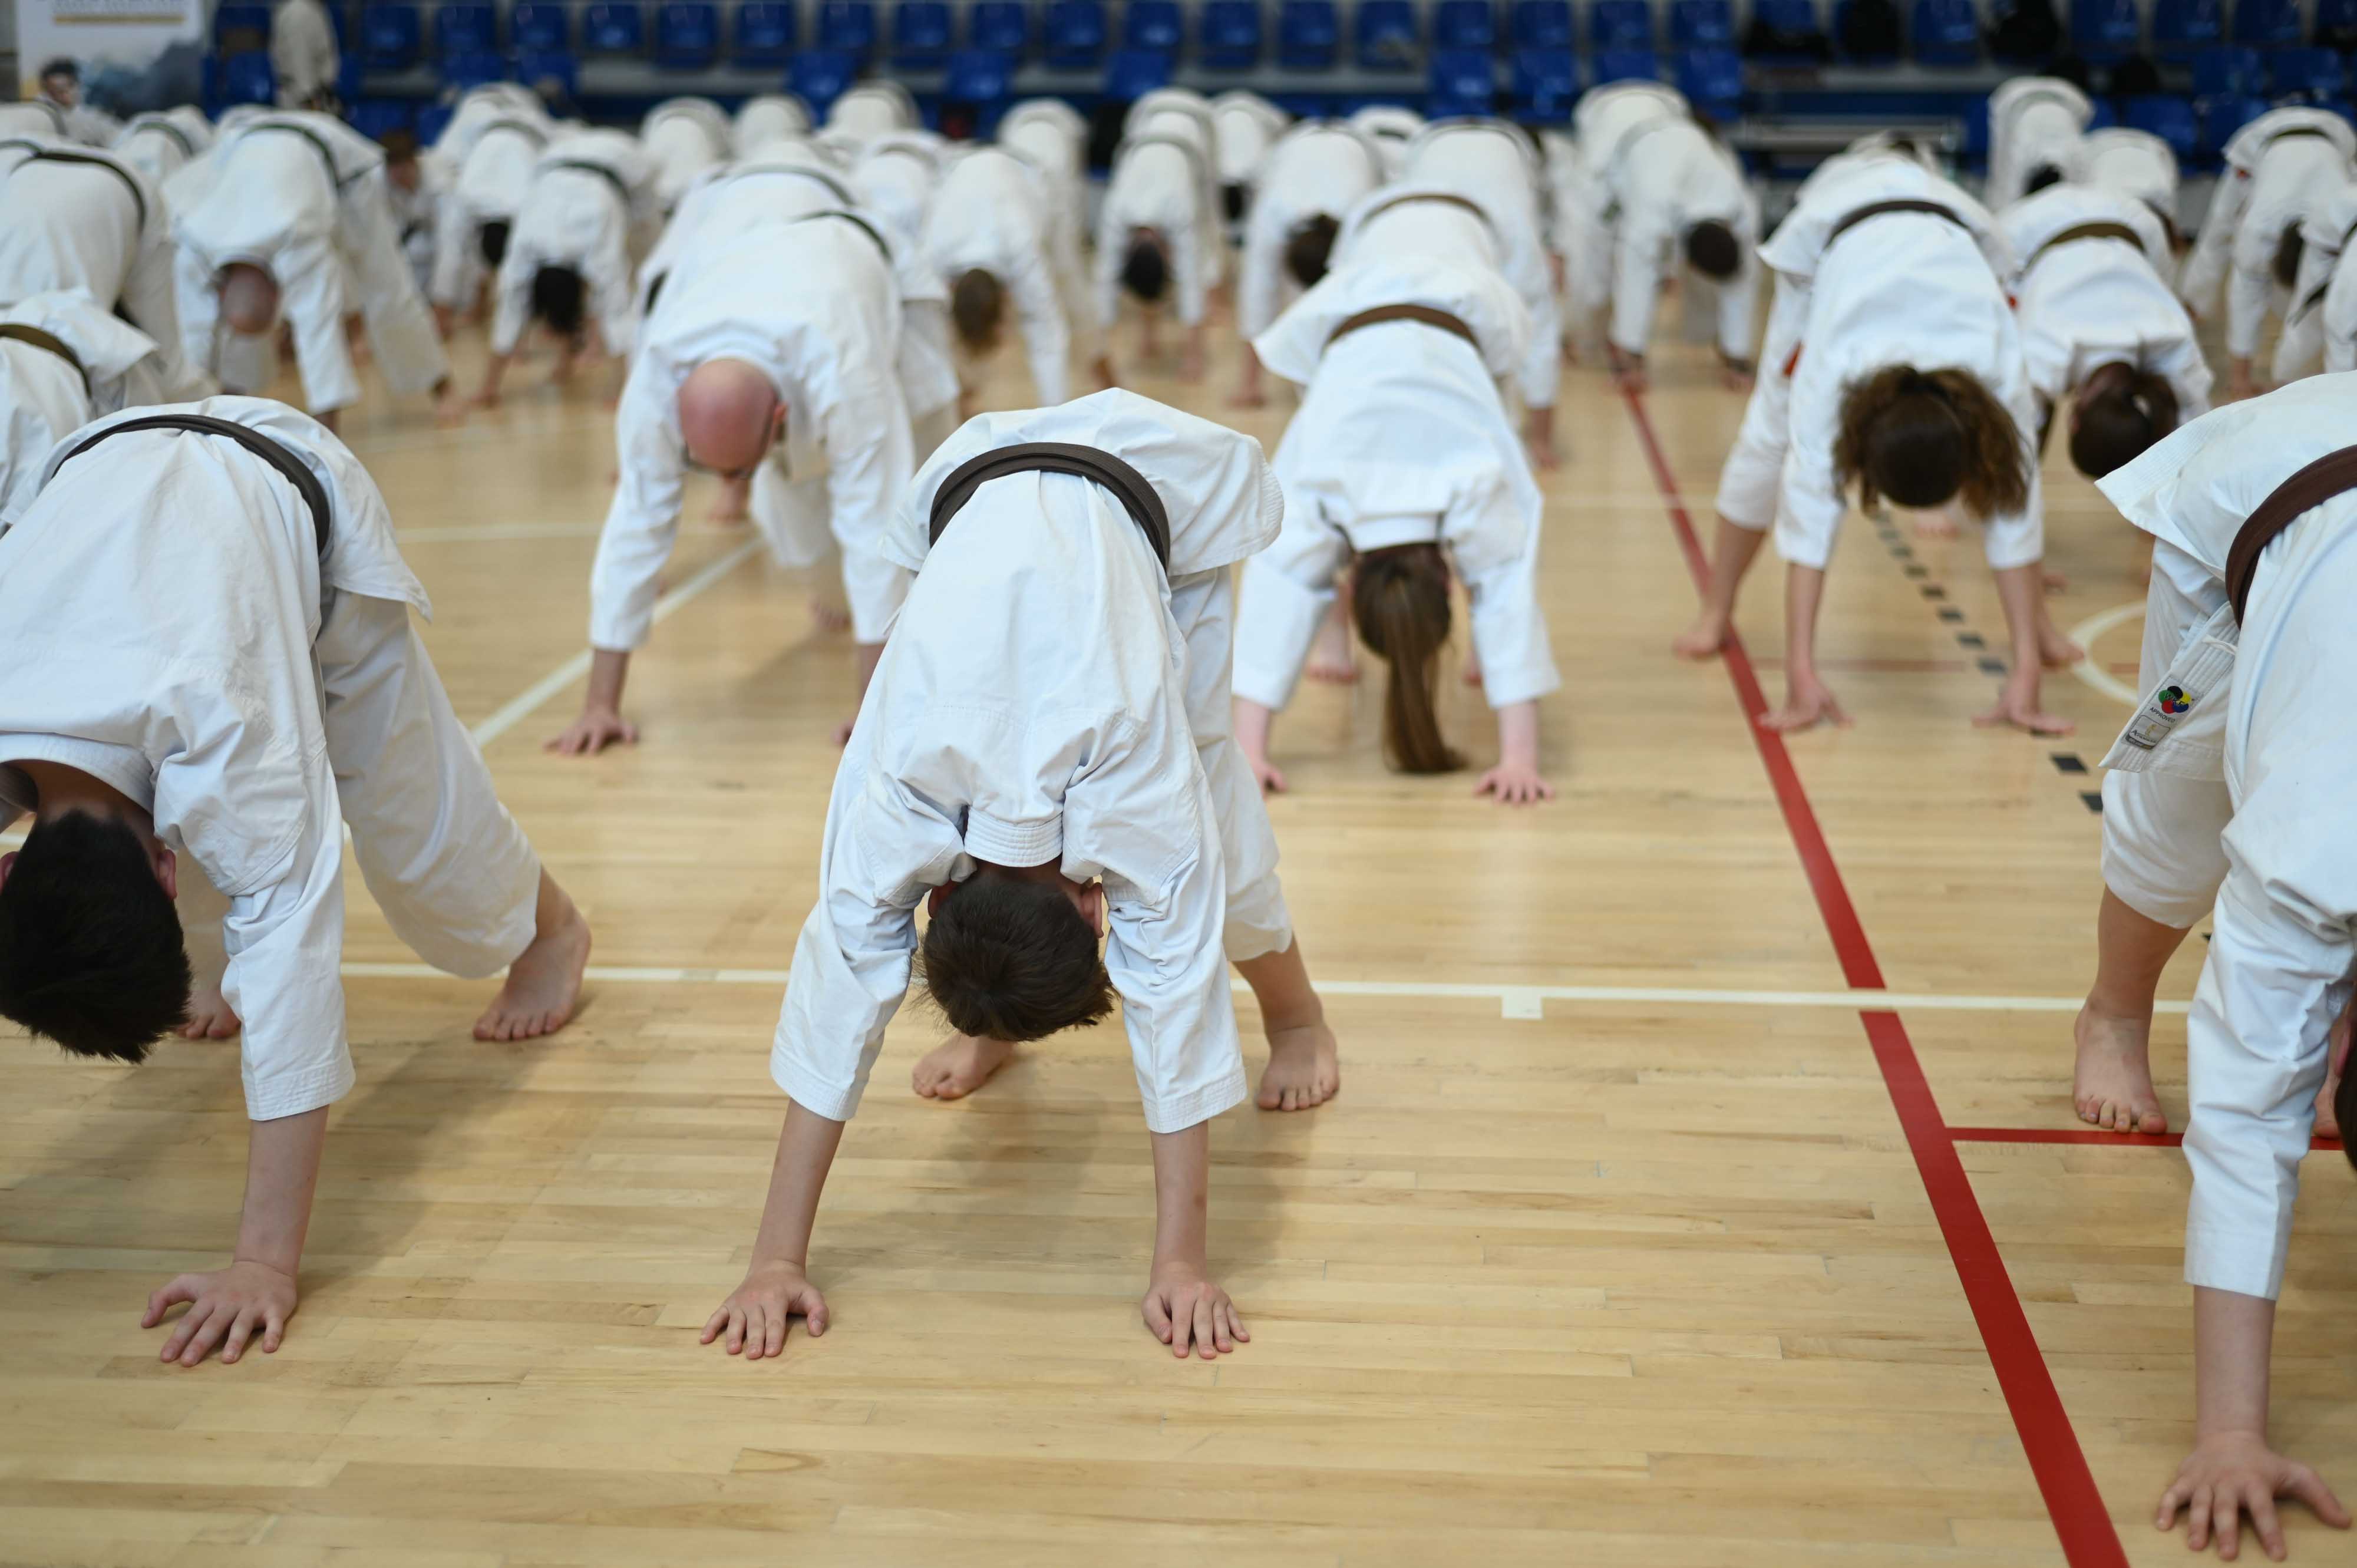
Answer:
(2173, 700)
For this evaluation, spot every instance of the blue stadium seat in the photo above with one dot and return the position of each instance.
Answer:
(1131, 74)
(1711, 80)
(432, 118)
(1072, 36)
(920, 34)
(2227, 71)
(1465, 25)
(1153, 25)
(376, 118)
(1461, 81)
(2171, 119)
(2106, 29)
(392, 37)
(1542, 25)
(1545, 85)
(1308, 35)
(1002, 27)
(983, 77)
(1228, 34)
(687, 34)
(845, 26)
(2268, 23)
(1946, 32)
(349, 71)
(479, 68)
(1702, 25)
(1795, 19)
(2336, 23)
(2181, 26)
(464, 28)
(613, 28)
(229, 20)
(765, 32)
(1620, 24)
(2222, 117)
(818, 77)
(2316, 75)
(540, 25)
(246, 78)
(1627, 65)
(1387, 35)
(536, 66)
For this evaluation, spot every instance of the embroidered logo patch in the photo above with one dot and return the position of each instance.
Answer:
(2173, 700)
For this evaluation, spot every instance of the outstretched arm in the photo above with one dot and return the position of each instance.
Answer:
(257, 1292)
(1182, 1305)
(776, 1285)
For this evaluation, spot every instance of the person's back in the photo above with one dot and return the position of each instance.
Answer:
(268, 192)
(988, 212)
(76, 219)
(303, 54)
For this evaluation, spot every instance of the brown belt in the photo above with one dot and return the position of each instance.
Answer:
(1881, 208)
(1137, 497)
(1423, 312)
(1408, 199)
(2087, 231)
(37, 338)
(2333, 474)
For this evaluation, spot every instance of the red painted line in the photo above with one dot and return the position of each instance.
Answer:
(2094, 1135)
(2072, 1501)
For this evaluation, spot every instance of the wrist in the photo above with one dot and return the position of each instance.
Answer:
(260, 1258)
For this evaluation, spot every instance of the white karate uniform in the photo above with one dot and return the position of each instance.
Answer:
(895, 178)
(870, 110)
(769, 117)
(1393, 127)
(1053, 696)
(45, 117)
(685, 136)
(81, 218)
(42, 397)
(1322, 168)
(2328, 277)
(303, 54)
(830, 346)
(1875, 146)
(1401, 438)
(1585, 200)
(2280, 167)
(1049, 134)
(1902, 288)
(495, 166)
(1156, 185)
(2245, 801)
(304, 196)
(1244, 127)
(2131, 163)
(1490, 163)
(1400, 223)
(2035, 121)
(990, 214)
(1184, 115)
(2091, 303)
(159, 145)
(590, 192)
(414, 213)
(169, 624)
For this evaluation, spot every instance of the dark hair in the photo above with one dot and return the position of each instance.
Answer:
(2119, 416)
(493, 239)
(1309, 248)
(61, 66)
(2041, 177)
(1922, 438)
(2344, 1111)
(1235, 195)
(1401, 603)
(1006, 957)
(1143, 270)
(400, 145)
(2288, 252)
(91, 951)
(1712, 249)
(557, 298)
(977, 306)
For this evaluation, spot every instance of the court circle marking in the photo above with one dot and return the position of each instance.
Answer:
(2091, 668)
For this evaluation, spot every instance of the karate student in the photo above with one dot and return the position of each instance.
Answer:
(2280, 169)
(1403, 466)
(1314, 175)
(1154, 234)
(302, 55)
(2331, 277)
(1244, 127)
(1663, 192)
(1393, 127)
(769, 117)
(1045, 760)
(992, 240)
(567, 260)
(2228, 789)
(64, 360)
(81, 218)
(271, 223)
(2141, 166)
(685, 138)
(869, 110)
(494, 160)
(2035, 123)
(159, 145)
(895, 178)
(2100, 329)
(794, 392)
(209, 657)
(1892, 362)
(1495, 165)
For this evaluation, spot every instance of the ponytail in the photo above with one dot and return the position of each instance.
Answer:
(1924, 438)
(1401, 603)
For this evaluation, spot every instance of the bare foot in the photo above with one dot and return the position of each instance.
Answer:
(959, 1066)
(829, 615)
(1701, 640)
(1302, 1071)
(2112, 1084)
(544, 981)
(2056, 583)
(2020, 708)
(1808, 703)
(1934, 525)
(210, 1017)
(2057, 651)
(1332, 656)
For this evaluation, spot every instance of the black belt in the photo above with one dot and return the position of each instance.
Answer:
(47, 344)
(42, 154)
(289, 466)
(2086, 231)
(524, 128)
(1409, 199)
(882, 244)
(166, 128)
(1420, 313)
(1881, 208)
(582, 165)
(319, 144)
(840, 191)
(1128, 486)
(2333, 474)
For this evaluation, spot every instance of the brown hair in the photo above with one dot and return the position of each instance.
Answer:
(1310, 247)
(1010, 958)
(2289, 246)
(1713, 251)
(2121, 412)
(1922, 438)
(1401, 603)
(977, 305)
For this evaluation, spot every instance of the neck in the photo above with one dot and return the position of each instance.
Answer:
(62, 788)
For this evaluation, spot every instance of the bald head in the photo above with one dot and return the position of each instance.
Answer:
(728, 414)
(249, 298)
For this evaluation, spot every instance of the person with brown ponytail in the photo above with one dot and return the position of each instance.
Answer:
(1402, 464)
(1893, 364)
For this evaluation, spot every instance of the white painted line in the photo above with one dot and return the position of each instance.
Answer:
(2091, 668)
(1518, 1002)
(573, 668)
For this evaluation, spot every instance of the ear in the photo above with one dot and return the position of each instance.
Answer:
(1093, 906)
(778, 424)
(168, 868)
(934, 901)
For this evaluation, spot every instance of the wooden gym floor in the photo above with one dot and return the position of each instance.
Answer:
(1642, 1232)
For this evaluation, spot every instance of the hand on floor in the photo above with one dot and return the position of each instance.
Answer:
(1183, 1307)
(752, 1321)
(2232, 1473)
(226, 1310)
